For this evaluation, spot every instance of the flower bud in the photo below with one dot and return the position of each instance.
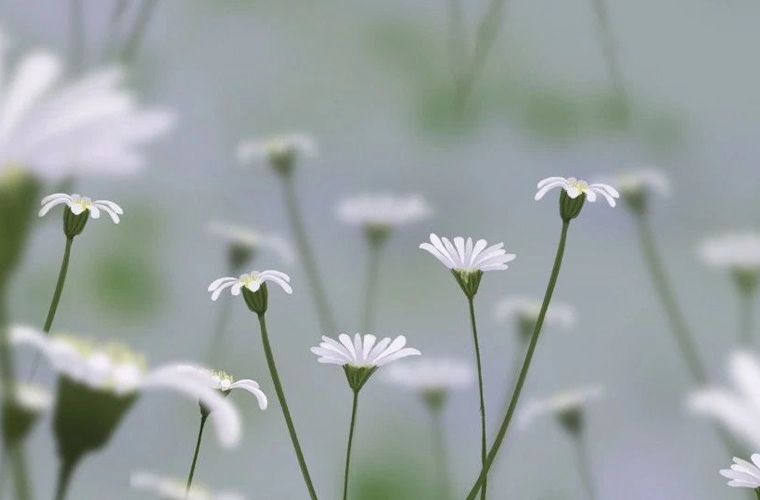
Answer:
(357, 376)
(571, 420)
(73, 225)
(570, 208)
(434, 398)
(469, 281)
(377, 234)
(257, 301)
(238, 256)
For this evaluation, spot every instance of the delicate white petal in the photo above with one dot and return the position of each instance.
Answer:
(253, 388)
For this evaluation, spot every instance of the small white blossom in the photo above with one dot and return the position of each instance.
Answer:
(383, 210)
(735, 252)
(252, 281)
(559, 404)
(362, 352)
(117, 370)
(526, 310)
(634, 183)
(224, 382)
(743, 474)
(168, 488)
(275, 148)
(575, 187)
(251, 239)
(31, 397)
(468, 257)
(431, 375)
(79, 204)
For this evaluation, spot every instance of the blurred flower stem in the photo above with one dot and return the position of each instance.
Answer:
(580, 443)
(610, 54)
(746, 312)
(59, 285)
(326, 319)
(204, 417)
(483, 442)
(136, 35)
(77, 43)
(526, 363)
(350, 442)
(284, 405)
(439, 449)
(376, 241)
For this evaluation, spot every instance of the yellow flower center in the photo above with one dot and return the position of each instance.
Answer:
(579, 185)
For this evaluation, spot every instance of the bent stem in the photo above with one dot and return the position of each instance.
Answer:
(483, 444)
(439, 449)
(204, 417)
(584, 464)
(526, 364)
(284, 405)
(326, 320)
(350, 442)
(132, 45)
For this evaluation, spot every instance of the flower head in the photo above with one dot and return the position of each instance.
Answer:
(383, 212)
(566, 406)
(525, 311)
(743, 474)
(737, 408)
(251, 281)
(91, 125)
(168, 488)
(635, 186)
(738, 253)
(279, 151)
(575, 188)
(22, 409)
(432, 378)
(244, 239)
(362, 356)
(225, 383)
(81, 204)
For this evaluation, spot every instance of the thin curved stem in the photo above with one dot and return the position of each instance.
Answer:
(59, 286)
(584, 464)
(139, 28)
(370, 290)
(439, 449)
(350, 442)
(114, 23)
(326, 320)
(284, 405)
(65, 473)
(483, 443)
(204, 417)
(526, 364)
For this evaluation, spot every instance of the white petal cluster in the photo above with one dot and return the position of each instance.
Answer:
(527, 309)
(224, 382)
(252, 281)
(383, 210)
(737, 408)
(284, 145)
(464, 255)
(740, 252)
(743, 474)
(363, 351)
(90, 125)
(575, 187)
(117, 370)
(32, 397)
(639, 181)
(431, 374)
(79, 204)
(559, 403)
(251, 239)
(169, 488)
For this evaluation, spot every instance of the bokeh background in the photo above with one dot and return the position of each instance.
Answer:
(371, 81)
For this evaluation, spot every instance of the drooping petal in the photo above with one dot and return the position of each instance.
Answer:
(52, 202)
(253, 388)
(548, 187)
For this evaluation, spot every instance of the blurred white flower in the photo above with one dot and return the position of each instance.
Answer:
(91, 125)
(431, 375)
(560, 404)
(743, 474)
(225, 383)
(284, 148)
(168, 488)
(383, 211)
(32, 397)
(575, 187)
(114, 369)
(363, 352)
(635, 183)
(251, 239)
(735, 252)
(738, 408)
(251, 281)
(79, 204)
(467, 257)
(525, 311)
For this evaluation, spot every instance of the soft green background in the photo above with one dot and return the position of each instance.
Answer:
(370, 80)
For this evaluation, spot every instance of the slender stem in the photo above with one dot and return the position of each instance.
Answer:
(584, 464)
(59, 286)
(284, 406)
(458, 46)
(746, 299)
(609, 50)
(65, 472)
(439, 449)
(370, 291)
(76, 18)
(757, 492)
(114, 22)
(20, 472)
(526, 364)
(350, 442)
(139, 28)
(326, 320)
(204, 417)
(483, 444)
(665, 291)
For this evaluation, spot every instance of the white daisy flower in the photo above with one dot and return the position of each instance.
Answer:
(560, 405)
(90, 125)
(114, 369)
(575, 187)
(525, 311)
(638, 182)
(743, 474)
(250, 239)
(383, 211)
(736, 252)
(251, 281)
(168, 488)
(362, 352)
(279, 151)
(225, 383)
(27, 402)
(428, 375)
(467, 257)
(80, 204)
(737, 408)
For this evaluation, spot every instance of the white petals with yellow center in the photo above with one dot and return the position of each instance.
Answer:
(251, 239)
(251, 281)
(224, 382)
(79, 204)
(576, 187)
(639, 181)
(557, 404)
(468, 256)
(291, 145)
(383, 210)
(362, 351)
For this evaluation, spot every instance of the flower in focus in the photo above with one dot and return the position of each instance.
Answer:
(378, 214)
(22, 410)
(245, 242)
(467, 260)
(738, 408)
(743, 474)
(635, 186)
(251, 281)
(575, 188)
(81, 204)
(361, 357)
(432, 378)
(525, 311)
(90, 125)
(168, 488)
(225, 383)
(567, 407)
(737, 253)
(280, 151)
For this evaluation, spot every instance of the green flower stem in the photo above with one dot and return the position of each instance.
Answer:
(59, 286)
(284, 406)
(326, 319)
(439, 449)
(65, 473)
(139, 28)
(757, 492)
(526, 364)
(370, 291)
(745, 320)
(483, 443)
(350, 442)
(580, 444)
(204, 417)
